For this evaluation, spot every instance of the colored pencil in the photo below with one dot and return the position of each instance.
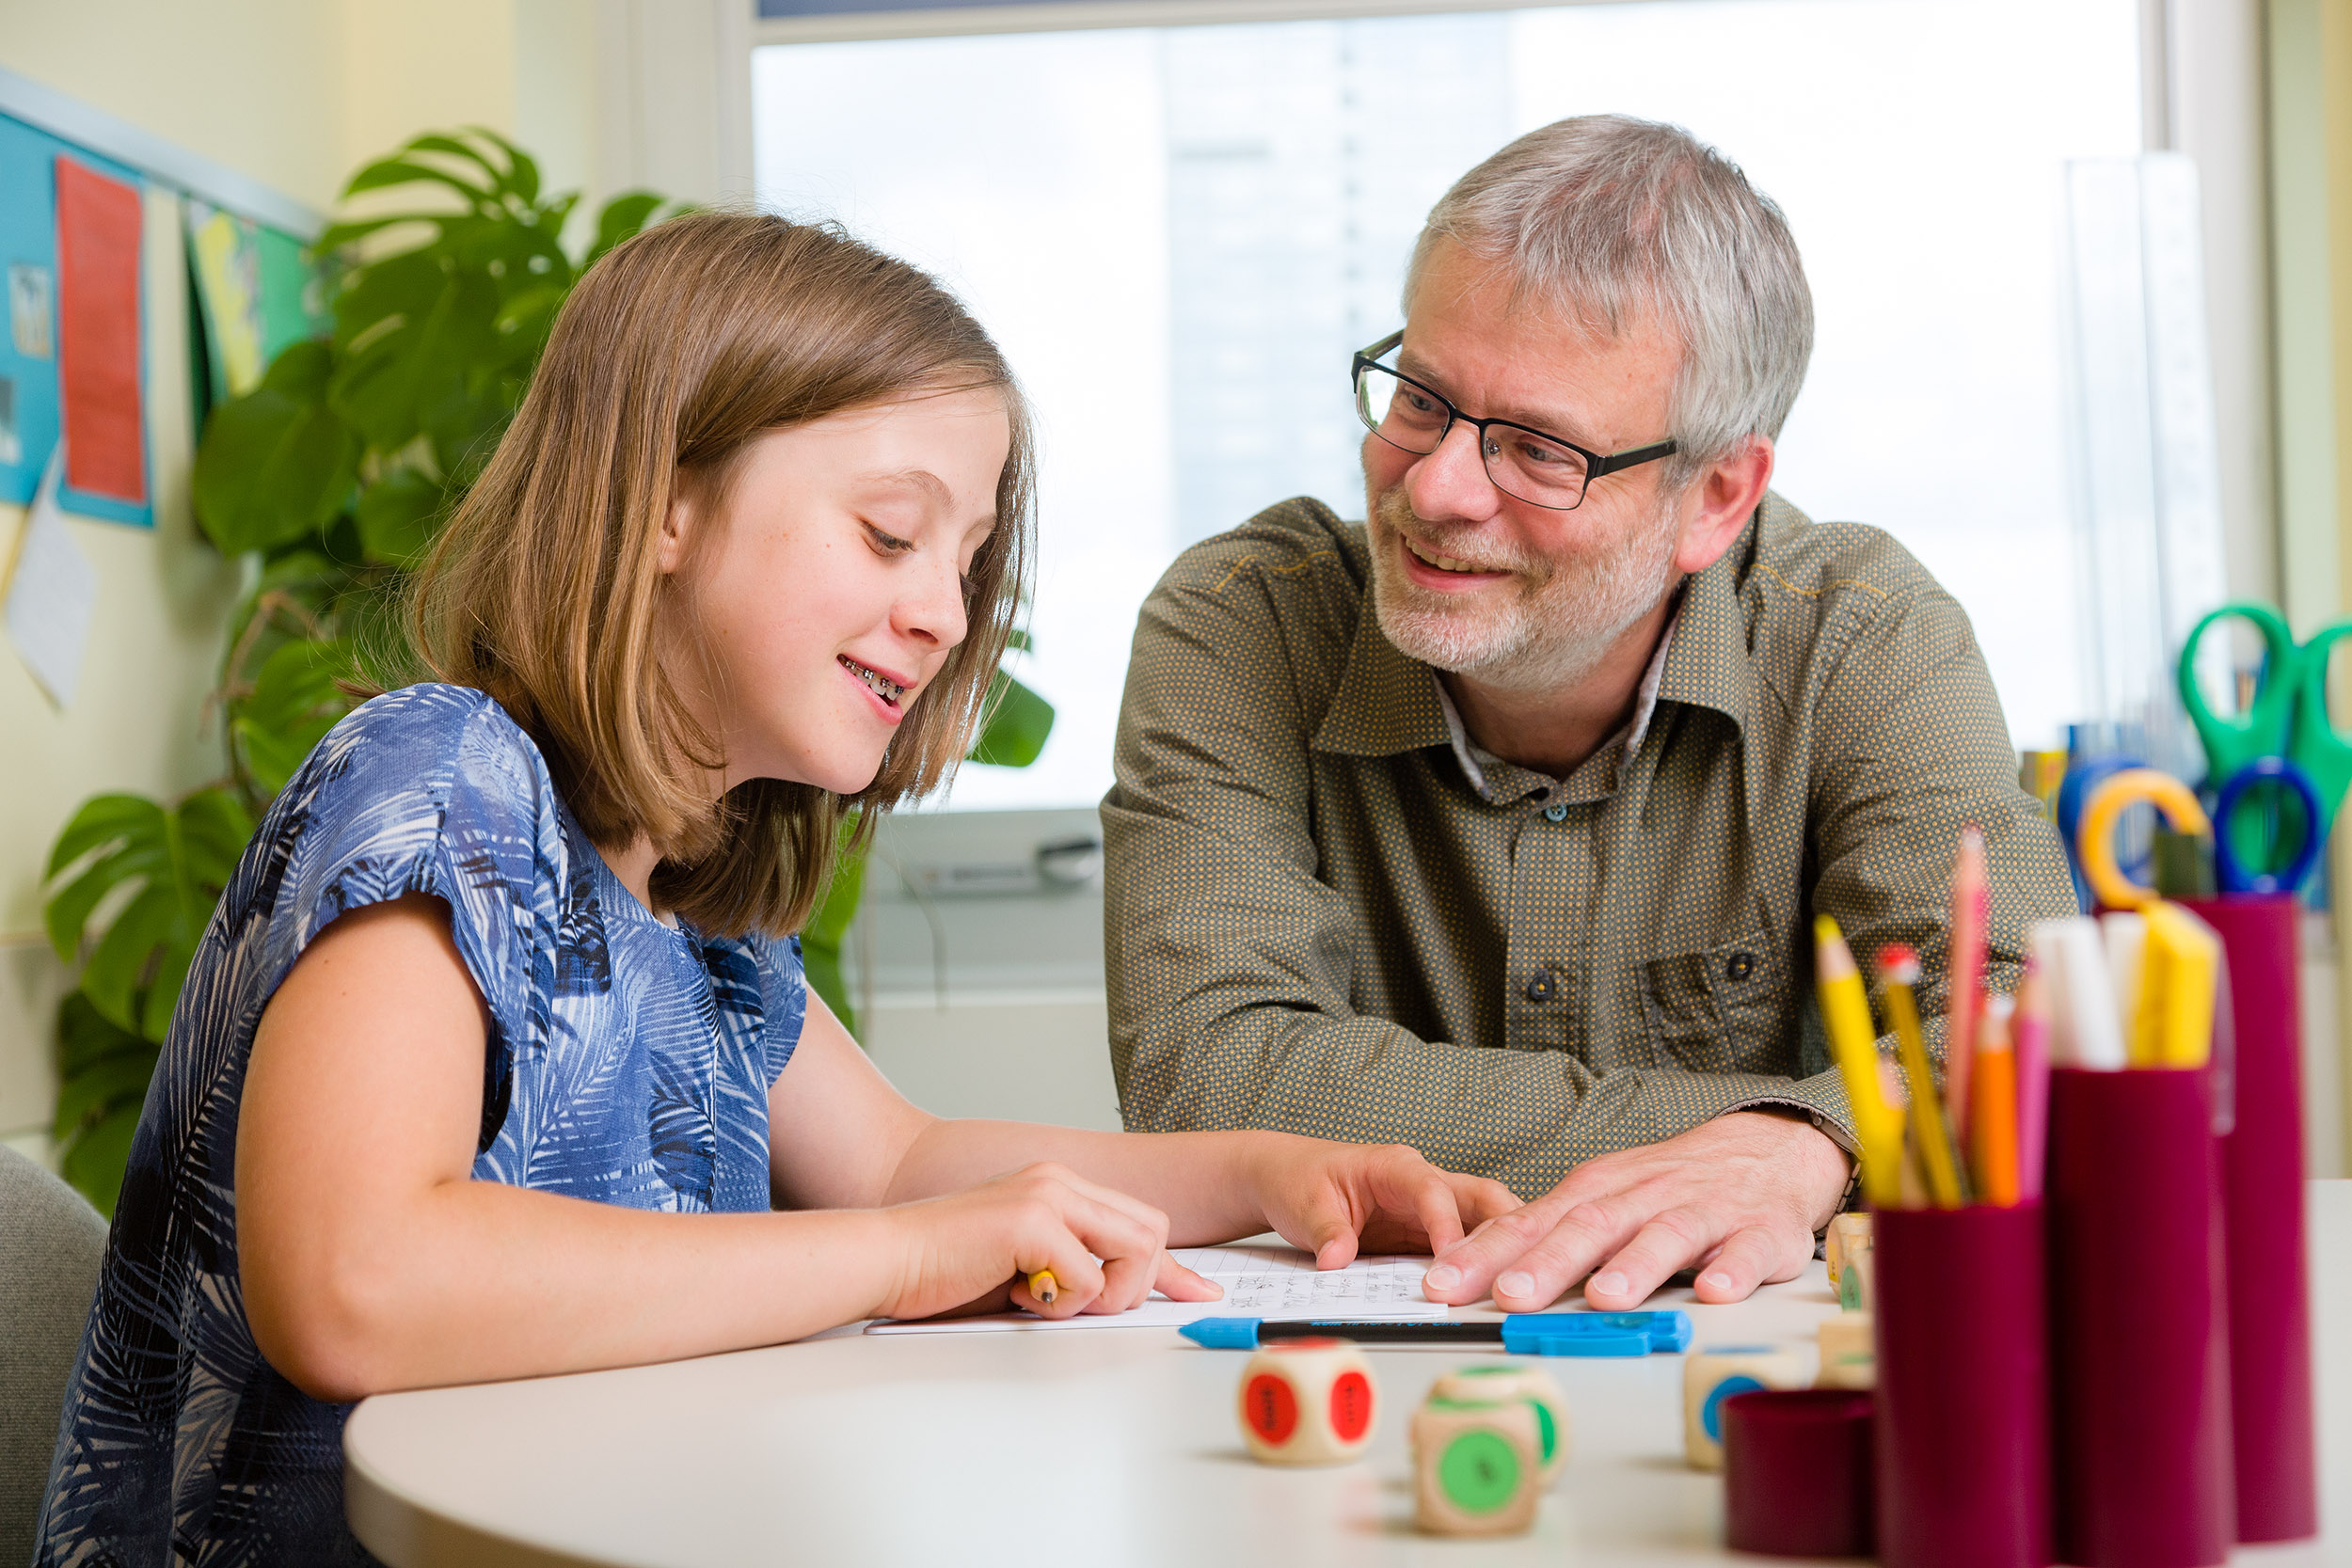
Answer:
(1964, 977)
(1846, 1016)
(1043, 1286)
(2029, 1035)
(1992, 1129)
(1898, 972)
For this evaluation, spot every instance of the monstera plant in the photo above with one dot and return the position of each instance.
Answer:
(331, 478)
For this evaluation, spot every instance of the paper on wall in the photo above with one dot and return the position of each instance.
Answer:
(1259, 1282)
(51, 592)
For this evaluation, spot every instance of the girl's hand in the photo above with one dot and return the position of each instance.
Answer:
(977, 1248)
(1338, 1199)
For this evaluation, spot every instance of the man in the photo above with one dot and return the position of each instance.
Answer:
(1497, 826)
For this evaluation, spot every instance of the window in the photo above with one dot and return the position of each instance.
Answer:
(1178, 233)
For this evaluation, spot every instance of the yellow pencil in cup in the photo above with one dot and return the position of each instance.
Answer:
(1043, 1286)
(1932, 1132)
(1878, 1123)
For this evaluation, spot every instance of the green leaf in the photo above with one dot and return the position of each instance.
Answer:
(436, 141)
(101, 1088)
(622, 217)
(522, 174)
(398, 515)
(85, 1037)
(276, 464)
(124, 957)
(172, 862)
(296, 701)
(103, 819)
(1018, 723)
(94, 1162)
(385, 388)
(337, 235)
(1019, 639)
(387, 172)
(821, 940)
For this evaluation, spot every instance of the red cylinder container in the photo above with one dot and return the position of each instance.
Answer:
(2140, 1322)
(1797, 1472)
(1963, 1388)
(2262, 1199)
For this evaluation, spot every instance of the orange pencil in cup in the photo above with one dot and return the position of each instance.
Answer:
(1993, 1121)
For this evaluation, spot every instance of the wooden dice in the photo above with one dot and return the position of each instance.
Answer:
(1850, 1356)
(1847, 1251)
(1308, 1402)
(1531, 1384)
(1714, 1374)
(1477, 1465)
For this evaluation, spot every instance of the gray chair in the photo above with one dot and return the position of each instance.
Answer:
(51, 1241)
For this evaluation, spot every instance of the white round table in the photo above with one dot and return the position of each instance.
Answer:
(1099, 1446)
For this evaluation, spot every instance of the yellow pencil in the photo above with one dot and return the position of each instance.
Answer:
(1932, 1134)
(1043, 1286)
(1846, 1016)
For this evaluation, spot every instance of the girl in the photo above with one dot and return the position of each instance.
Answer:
(494, 1061)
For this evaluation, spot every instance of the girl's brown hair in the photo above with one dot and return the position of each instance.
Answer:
(673, 354)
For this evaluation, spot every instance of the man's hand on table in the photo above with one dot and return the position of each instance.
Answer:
(1739, 1197)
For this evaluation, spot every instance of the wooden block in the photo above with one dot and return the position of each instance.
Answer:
(1849, 1356)
(1308, 1402)
(1849, 1234)
(1531, 1384)
(1713, 1374)
(1477, 1466)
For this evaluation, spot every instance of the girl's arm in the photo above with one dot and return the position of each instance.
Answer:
(370, 1260)
(1326, 1198)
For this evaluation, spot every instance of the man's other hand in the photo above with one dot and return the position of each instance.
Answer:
(1738, 1199)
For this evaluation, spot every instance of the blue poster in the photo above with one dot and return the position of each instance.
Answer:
(29, 420)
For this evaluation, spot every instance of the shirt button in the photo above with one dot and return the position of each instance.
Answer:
(1738, 966)
(1541, 987)
(1555, 814)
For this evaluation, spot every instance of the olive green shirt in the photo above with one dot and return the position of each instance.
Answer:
(1317, 919)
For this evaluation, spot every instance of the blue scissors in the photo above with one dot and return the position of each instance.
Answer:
(2286, 723)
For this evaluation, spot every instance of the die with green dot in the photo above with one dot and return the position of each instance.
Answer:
(1477, 1465)
(1519, 1383)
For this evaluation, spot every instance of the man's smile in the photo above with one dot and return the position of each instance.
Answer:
(1446, 564)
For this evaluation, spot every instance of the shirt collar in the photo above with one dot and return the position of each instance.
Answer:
(1476, 760)
(1388, 702)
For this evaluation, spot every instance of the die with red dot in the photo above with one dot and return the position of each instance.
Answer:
(1308, 1402)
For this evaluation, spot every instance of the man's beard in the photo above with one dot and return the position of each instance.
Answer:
(1558, 626)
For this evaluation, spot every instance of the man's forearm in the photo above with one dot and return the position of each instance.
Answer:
(1524, 1117)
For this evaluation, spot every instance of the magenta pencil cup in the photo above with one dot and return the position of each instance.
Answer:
(1963, 1388)
(2139, 1321)
(1797, 1475)
(2262, 1203)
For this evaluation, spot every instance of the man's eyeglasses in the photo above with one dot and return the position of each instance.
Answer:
(1542, 470)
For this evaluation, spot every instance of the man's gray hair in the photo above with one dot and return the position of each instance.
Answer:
(1606, 217)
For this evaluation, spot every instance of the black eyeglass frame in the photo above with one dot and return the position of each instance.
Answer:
(1597, 465)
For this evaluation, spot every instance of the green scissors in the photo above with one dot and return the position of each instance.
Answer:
(2288, 715)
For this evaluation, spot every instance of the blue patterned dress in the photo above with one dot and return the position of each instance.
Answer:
(629, 1063)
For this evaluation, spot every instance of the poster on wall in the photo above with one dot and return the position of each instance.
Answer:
(98, 353)
(99, 329)
(256, 292)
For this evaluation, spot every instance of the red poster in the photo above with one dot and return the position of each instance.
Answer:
(98, 333)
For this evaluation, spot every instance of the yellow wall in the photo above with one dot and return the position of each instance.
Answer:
(293, 93)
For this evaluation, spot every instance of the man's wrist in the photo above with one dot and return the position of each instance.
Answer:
(1848, 1170)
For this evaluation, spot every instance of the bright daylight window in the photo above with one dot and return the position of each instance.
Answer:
(1179, 234)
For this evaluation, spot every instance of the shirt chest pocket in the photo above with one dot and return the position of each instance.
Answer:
(1720, 1010)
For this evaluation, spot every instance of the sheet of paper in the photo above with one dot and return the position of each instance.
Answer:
(1259, 1282)
(50, 591)
(100, 355)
